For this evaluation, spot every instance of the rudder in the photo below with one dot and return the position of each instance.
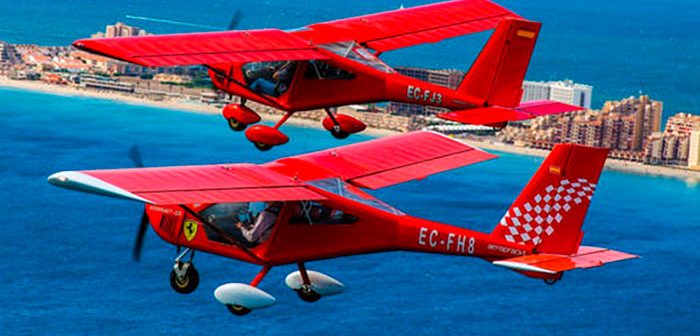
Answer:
(549, 212)
(496, 76)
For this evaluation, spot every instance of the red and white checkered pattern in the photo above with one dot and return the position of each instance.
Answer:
(538, 216)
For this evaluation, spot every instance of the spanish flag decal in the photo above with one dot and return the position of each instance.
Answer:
(526, 34)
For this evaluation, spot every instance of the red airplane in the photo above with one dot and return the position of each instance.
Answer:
(310, 207)
(330, 64)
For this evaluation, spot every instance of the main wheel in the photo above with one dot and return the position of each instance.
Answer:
(307, 294)
(188, 282)
(236, 125)
(261, 146)
(338, 133)
(238, 310)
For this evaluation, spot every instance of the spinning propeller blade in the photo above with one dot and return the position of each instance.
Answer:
(135, 156)
(236, 19)
(140, 235)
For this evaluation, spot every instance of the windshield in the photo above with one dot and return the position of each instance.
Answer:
(340, 188)
(357, 53)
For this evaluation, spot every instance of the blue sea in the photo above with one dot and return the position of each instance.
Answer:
(67, 265)
(67, 256)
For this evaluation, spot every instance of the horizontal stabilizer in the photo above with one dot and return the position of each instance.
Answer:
(586, 257)
(496, 115)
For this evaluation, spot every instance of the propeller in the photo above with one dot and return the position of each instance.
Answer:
(135, 156)
(137, 160)
(236, 19)
(140, 234)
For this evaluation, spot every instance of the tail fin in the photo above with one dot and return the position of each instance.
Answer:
(550, 211)
(496, 77)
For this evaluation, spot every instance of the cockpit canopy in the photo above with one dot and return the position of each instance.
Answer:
(357, 53)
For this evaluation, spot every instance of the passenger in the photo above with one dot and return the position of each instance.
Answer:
(281, 76)
(260, 230)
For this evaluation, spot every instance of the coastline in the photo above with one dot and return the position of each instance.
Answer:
(630, 167)
(176, 105)
(179, 105)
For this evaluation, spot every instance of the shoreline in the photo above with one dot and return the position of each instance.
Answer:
(622, 166)
(184, 106)
(168, 104)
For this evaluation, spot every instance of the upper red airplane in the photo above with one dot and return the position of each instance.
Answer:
(310, 207)
(330, 64)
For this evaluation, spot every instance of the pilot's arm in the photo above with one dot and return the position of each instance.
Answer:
(264, 222)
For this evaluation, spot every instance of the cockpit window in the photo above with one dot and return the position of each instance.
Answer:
(322, 70)
(248, 222)
(357, 53)
(269, 78)
(314, 213)
(340, 188)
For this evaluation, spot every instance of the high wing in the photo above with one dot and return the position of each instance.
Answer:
(372, 164)
(204, 48)
(411, 26)
(385, 161)
(586, 257)
(381, 32)
(188, 184)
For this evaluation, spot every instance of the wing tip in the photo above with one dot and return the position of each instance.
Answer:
(82, 182)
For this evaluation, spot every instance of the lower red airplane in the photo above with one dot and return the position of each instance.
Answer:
(311, 207)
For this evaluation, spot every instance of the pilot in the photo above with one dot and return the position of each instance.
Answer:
(278, 85)
(260, 230)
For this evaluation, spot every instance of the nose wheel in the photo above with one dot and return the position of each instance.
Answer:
(184, 277)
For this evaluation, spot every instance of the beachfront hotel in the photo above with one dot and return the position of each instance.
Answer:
(565, 91)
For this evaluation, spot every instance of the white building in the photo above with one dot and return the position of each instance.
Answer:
(694, 153)
(535, 91)
(562, 91)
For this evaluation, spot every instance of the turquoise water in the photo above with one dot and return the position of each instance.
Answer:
(67, 256)
(620, 47)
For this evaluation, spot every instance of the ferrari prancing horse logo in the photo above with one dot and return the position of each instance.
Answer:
(190, 229)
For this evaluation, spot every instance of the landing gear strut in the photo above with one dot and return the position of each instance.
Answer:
(336, 130)
(184, 277)
(306, 292)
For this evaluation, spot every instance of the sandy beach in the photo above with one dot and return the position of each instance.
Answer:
(689, 176)
(182, 105)
(170, 104)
